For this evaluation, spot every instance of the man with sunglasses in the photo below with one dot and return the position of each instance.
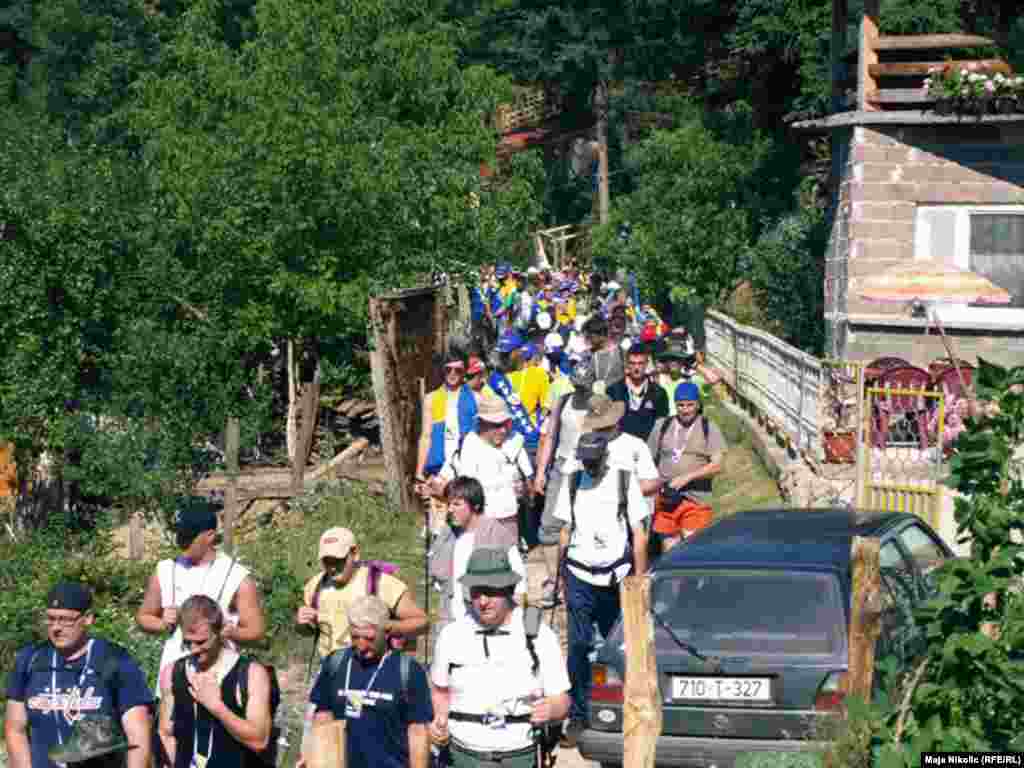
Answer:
(449, 414)
(200, 570)
(71, 676)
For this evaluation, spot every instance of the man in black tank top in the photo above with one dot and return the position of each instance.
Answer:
(216, 710)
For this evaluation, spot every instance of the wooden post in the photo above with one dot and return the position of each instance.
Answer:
(862, 458)
(641, 712)
(867, 55)
(310, 410)
(865, 616)
(840, 13)
(136, 540)
(231, 440)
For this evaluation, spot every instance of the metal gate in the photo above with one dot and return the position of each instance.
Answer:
(903, 451)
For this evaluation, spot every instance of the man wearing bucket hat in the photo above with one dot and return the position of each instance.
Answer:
(604, 539)
(498, 674)
(688, 450)
(70, 676)
(496, 458)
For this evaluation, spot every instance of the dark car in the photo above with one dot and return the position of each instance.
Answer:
(764, 598)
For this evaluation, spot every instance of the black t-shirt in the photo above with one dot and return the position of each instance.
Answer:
(643, 412)
(377, 712)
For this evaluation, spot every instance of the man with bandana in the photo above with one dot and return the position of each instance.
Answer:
(382, 695)
(604, 539)
(69, 677)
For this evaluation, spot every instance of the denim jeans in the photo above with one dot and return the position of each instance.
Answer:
(586, 604)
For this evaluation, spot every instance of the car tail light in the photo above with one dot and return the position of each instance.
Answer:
(607, 685)
(831, 692)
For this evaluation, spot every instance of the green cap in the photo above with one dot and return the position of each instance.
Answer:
(92, 736)
(489, 568)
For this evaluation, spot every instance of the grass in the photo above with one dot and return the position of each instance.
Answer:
(744, 482)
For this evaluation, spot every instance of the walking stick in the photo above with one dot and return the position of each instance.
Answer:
(427, 541)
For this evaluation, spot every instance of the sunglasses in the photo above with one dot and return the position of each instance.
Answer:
(188, 645)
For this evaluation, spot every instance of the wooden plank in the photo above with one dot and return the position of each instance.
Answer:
(840, 12)
(911, 68)
(900, 96)
(267, 492)
(930, 42)
(641, 710)
(231, 441)
(867, 55)
(865, 616)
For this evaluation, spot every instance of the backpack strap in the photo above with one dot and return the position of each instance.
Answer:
(531, 627)
(661, 438)
(405, 673)
(556, 434)
(624, 507)
(227, 576)
(574, 487)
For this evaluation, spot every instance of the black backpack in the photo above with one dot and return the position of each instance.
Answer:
(332, 664)
(268, 756)
(623, 515)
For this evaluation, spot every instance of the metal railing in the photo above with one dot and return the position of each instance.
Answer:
(781, 382)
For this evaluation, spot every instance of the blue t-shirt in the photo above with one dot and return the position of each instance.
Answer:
(57, 693)
(378, 730)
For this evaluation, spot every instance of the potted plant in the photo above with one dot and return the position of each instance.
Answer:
(839, 433)
(943, 86)
(1006, 91)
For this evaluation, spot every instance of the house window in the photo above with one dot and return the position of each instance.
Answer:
(987, 240)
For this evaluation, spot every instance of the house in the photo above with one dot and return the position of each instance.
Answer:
(909, 184)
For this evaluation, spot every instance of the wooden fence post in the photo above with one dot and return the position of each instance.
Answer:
(231, 440)
(309, 408)
(865, 616)
(641, 712)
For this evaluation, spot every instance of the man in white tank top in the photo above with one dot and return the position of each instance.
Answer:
(200, 570)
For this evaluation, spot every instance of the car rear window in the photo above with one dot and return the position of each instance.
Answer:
(755, 611)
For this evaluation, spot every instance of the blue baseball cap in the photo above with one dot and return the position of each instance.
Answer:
(529, 351)
(687, 390)
(510, 342)
(502, 270)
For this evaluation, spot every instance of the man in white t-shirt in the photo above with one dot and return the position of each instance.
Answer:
(499, 461)
(605, 539)
(495, 677)
(200, 570)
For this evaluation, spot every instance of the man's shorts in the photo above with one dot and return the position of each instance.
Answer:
(685, 519)
(550, 526)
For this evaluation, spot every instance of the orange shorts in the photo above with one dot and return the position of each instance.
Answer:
(685, 519)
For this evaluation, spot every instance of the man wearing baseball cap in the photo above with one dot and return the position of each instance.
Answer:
(200, 570)
(342, 580)
(688, 450)
(71, 675)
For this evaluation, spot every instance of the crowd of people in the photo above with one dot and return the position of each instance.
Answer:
(569, 437)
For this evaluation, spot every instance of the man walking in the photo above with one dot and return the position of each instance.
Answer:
(217, 709)
(200, 570)
(449, 414)
(382, 695)
(70, 676)
(498, 673)
(645, 401)
(688, 450)
(603, 541)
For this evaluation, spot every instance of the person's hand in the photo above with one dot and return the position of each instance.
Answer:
(204, 688)
(541, 712)
(438, 731)
(539, 482)
(170, 617)
(306, 615)
(680, 482)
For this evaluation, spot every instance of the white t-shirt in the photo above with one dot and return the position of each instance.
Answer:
(569, 436)
(451, 423)
(600, 537)
(460, 561)
(497, 469)
(501, 683)
(218, 580)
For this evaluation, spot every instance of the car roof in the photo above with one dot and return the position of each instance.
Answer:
(801, 538)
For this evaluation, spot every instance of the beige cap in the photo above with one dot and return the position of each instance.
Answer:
(336, 542)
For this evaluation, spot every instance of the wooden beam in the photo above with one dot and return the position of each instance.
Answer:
(231, 441)
(900, 96)
(865, 616)
(867, 54)
(641, 710)
(912, 68)
(840, 14)
(930, 42)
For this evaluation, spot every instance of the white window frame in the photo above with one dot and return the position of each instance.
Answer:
(963, 314)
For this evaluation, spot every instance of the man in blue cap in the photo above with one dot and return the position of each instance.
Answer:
(688, 450)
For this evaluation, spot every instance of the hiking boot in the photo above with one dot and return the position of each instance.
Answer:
(549, 595)
(573, 731)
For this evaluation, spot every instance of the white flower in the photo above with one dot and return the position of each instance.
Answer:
(963, 73)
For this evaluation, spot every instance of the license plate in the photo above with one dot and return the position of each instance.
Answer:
(754, 689)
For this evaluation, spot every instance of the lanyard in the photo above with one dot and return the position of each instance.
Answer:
(369, 685)
(53, 684)
(677, 454)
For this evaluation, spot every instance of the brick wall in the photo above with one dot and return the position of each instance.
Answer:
(886, 173)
